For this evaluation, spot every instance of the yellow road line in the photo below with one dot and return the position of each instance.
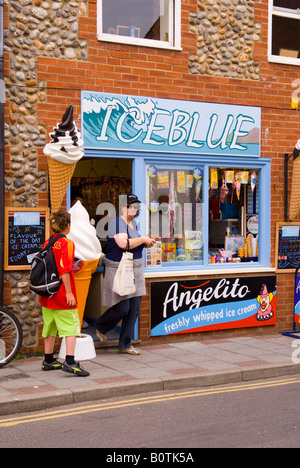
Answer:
(142, 401)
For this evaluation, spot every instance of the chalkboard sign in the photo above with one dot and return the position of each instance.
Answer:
(287, 247)
(26, 230)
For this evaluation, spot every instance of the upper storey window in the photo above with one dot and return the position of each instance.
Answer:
(152, 23)
(284, 31)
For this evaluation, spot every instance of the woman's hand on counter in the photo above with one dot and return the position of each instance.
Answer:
(149, 241)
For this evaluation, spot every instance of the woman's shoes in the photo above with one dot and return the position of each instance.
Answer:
(102, 338)
(130, 350)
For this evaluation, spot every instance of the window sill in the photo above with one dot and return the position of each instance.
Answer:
(138, 42)
(284, 60)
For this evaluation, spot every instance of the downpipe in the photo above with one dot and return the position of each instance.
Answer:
(2, 166)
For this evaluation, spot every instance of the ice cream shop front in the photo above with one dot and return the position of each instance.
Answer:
(205, 192)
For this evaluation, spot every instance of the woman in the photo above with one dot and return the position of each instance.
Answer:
(122, 230)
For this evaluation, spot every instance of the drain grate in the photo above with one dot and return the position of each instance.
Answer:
(13, 377)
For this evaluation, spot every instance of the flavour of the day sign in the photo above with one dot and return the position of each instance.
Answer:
(212, 304)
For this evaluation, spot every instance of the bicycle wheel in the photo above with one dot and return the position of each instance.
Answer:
(11, 336)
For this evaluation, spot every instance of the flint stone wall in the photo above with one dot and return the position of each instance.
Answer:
(226, 34)
(35, 28)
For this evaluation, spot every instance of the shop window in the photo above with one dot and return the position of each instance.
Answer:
(284, 31)
(153, 23)
(233, 215)
(192, 226)
(174, 199)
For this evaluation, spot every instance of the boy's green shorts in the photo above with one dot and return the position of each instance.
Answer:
(65, 322)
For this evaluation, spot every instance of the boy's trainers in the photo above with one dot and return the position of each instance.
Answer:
(55, 365)
(75, 369)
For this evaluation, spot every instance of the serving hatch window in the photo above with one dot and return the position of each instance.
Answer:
(233, 214)
(153, 23)
(175, 214)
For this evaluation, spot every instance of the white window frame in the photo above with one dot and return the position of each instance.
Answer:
(264, 197)
(174, 41)
(284, 13)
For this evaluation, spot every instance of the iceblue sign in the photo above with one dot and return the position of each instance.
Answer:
(134, 123)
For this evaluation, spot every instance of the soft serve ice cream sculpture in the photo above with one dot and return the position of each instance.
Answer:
(64, 151)
(87, 250)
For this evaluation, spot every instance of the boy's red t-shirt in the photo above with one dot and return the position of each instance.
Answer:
(63, 250)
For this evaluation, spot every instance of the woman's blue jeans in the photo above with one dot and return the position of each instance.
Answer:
(127, 311)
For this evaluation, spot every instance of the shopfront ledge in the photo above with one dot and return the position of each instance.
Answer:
(210, 272)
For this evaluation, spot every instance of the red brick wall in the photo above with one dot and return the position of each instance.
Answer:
(135, 70)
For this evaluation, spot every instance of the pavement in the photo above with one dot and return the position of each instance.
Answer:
(24, 387)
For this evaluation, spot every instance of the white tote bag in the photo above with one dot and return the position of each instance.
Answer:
(124, 283)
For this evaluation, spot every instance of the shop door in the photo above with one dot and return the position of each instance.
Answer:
(98, 183)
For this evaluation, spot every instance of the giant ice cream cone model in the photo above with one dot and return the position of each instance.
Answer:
(64, 150)
(59, 175)
(294, 207)
(83, 278)
(87, 250)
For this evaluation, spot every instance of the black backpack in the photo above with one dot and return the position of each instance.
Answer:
(44, 279)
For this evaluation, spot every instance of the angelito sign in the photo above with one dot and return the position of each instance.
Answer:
(212, 304)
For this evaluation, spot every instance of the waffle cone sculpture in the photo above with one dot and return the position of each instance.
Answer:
(294, 207)
(82, 279)
(59, 177)
(64, 151)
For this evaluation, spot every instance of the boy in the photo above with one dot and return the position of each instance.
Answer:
(59, 311)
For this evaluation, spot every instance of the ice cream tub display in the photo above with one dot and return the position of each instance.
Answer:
(84, 348)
